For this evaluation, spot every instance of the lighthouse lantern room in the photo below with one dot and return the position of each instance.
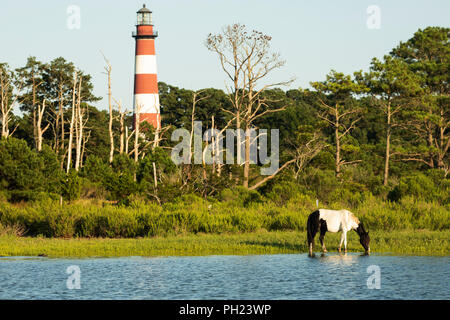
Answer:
(144, 16)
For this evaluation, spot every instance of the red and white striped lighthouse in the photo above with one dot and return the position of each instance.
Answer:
(146, 97)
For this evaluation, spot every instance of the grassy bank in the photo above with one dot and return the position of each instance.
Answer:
(418, 242)
(192, 215)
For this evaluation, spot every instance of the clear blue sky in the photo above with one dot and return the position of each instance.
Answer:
(313, 36)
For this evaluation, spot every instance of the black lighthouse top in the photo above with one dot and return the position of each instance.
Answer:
(144, 17)
(144, 27)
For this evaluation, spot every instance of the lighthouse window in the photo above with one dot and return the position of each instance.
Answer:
(147, 18)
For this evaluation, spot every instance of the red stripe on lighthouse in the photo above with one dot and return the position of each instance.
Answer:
(145, 47)
(152, 118)
(145, 30)
(145, 83)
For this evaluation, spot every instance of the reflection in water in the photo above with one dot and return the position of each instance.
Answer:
(342, 259)
(332, 276)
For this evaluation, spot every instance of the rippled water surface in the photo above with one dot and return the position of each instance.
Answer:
(227, 277)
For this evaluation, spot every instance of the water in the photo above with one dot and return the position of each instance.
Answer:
(269, 277)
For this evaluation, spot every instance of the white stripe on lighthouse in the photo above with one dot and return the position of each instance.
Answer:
(146, 64)
(149, 102)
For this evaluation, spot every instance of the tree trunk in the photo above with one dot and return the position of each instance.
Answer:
(122, 130)
(126, 140)
(111, 136)
(443, 146)
(154, 175)
(72, 122)
(338, 147)
(5, 121)
(61, 111)
(136, 137)
(388, 146)
(80, 128)
(238, 138)
(213, 146)
(247, 157)
(39, 131)
(35, 131)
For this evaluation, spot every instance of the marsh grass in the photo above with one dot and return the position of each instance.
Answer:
(414, 242)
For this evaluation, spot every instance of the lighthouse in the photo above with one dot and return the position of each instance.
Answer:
(146, 97)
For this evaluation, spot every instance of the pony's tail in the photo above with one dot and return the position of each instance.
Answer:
(312, 226)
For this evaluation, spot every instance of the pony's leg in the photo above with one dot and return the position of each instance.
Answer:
(311, 247)
(322, 236)
(311, 244)
(322, 244)
(345, 242)
(342, 240)
(323, 230)
(313, 225)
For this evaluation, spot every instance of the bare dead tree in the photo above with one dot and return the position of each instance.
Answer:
(137, 124)
(246, 60)
(39, 130)
(8, 99)
(108, 70)
(60, 119)
(86, 138)
(72, 122)
(80, 124)
(77, 125)
(195, 100)
(127, 139)
(302, 153)
(307, 150)
(227, 46)
(123, 131)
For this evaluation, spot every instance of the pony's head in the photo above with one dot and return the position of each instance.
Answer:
(364, 238)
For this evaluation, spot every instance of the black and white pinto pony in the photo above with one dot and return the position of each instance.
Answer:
(324, 220)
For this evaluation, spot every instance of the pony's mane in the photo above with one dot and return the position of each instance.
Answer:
(352, 215)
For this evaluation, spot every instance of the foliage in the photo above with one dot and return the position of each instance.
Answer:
(71, 186)
(153, 196)
(25, 173)
(192, 214)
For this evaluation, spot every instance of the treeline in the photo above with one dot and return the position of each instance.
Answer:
(382, 132)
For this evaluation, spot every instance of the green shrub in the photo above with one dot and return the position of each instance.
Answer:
(281, 193)
(240, 196)
(431, 186)
(71, 186)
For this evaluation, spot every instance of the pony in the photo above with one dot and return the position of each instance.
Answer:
(324, 220)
